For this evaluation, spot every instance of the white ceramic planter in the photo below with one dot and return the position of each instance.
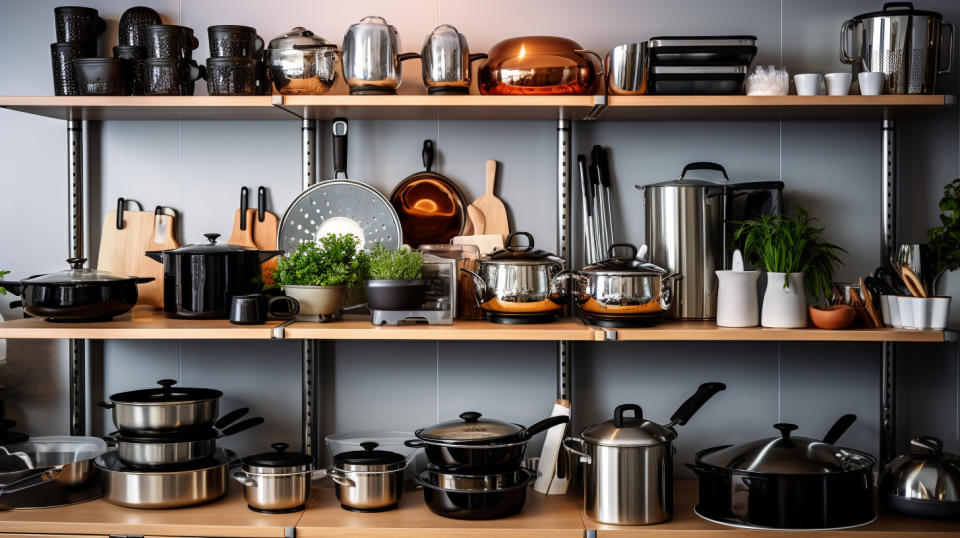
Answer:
(317, 302)
(737, 299)
(784, 308)
(948, 285)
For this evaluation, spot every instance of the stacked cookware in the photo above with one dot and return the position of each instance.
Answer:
(474, 469)
(78, 29)
(700, 65)
(166, 453)
(235, 65)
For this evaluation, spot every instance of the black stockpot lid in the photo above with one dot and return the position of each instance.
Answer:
(899, 8)
(471, 428)
(210, 247)
(520, 252)
(368, 456)
(626, 264)
(78, 274)
(278, 458)
(167, 393)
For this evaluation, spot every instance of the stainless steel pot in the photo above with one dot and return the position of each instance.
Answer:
(368, 480)
(623, 286)
(628, 473)
(49, 471)
(924, 482)
(628, 69)
(276, 482)
(170, 451)
(446, 61)
(199, 484)
(519, 280)
(164, 410)
(901, 42)
(371, 58)
(301, 63)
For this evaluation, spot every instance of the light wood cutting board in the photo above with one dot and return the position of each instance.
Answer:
(243, 237)
(265, 237)
(493, 211)
(122, 251)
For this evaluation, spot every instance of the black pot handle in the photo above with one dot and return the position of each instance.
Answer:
(785, 429)
(477, 56)
(904, 5)
(695, 402)
(546, 424)
(427, 153)
(619, 420)
(261, 203)
(414, 443)
(212, 238)
(241, 426)
(407, 56)
(369, 445)
(230, 418)
(13, 287)
(515, 248)
(704, 165)
(76, 263)
(105, 405)
(630, 246)
(839, 428)
(244, 204)
(143, 279)
(166, 384)
(279, 447)
(339, 127)
(470, 416)
(926, 446)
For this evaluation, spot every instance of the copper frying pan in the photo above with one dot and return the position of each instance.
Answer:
(430, 206)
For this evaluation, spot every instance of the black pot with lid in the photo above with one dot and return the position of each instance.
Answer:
(474, 429)
(925, 482)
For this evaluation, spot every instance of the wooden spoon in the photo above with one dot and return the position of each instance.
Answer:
(875, 318)
(913, 282)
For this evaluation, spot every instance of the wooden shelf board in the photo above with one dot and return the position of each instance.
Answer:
(442, 107)
(141, 323)
(228, 516)
(708, 331)
(359, 328)
(687, 523)
(140, 108)
(745, 107)
(554, 516)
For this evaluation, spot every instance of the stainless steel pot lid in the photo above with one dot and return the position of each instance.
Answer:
(299, 38)
(51, 451)
(78, 274)
(787, 455)
(682, 181)
(357, 460)
(520, 254)
(925, 473)
(625, 431)
(624, 265)
(165, 394)
(470, 427)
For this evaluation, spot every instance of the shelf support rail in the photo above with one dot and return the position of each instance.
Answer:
(564, 151)
(77, 348)
(310, 348)
(888, 364)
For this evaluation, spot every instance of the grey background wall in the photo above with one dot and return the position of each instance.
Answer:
(832, 168)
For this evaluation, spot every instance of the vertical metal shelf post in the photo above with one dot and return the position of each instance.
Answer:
(75, 212)
(888, 362)
(309, 374)
(564, 151)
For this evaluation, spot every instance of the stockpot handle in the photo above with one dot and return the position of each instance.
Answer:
(407, 56)
(518, 248)
(242, 477)
(926, 446)
(36, 479)
(546, 424)
(106, 405)
(846, 29)
(695, 402)
(839, 428)
(905, 5)
(619, 420)
(600, 71)
(479, 286)
(629, 246)
(477, 56)
(584, 457)
(704, 165)
(340, 477)
(414, 443)
(953, 35)
(427, 154)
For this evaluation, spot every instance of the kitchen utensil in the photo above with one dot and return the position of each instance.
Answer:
(165, 76)
(164, 410)
(628, 69)
(913, 282)
(77, 294)
(737, 303)
(892, 278)
(870, 305)
(787, 482)
(494, 213)
(265, 234)
(925, 482)
(629, 462)
(301, 63)
(901, 42)
(430, 206)
(253, 309)
(918, 258)
(520, 281)
(170, 451)
(371, 59)
(871, 82)
(768, 81)
(551, 477)
(199, 280)
(446, 62)
(808, 83)
(340, 206)
(60, 472)
(130, 56)
(476, 502)
(832, 317)
(79, 25)
(100, 76)
(231, 40)
(703, 50)
(242, 233)
(193, 484)
(603, 193)
(231, 76)
(368, 480)
(698, 80)
(586, 205)
(838, 83)
(132, 25)
(540, 65)
(476, 223)
(621, 290)
(64, 75)
(276, 482)
(170, 42)
(125, 240)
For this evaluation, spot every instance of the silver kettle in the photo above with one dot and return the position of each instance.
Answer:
(371, 61)
(923, 483)
(446, 61)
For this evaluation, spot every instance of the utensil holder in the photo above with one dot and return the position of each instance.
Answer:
(737, 299)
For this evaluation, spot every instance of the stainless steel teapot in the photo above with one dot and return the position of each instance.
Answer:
(371, 63)
(447, 61)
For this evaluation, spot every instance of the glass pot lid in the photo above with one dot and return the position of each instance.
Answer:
(299, 38)
(787, 455)
(368, 456)
(167, 393)
(625, 264)
(78, 274)
(470, 427)
(279, 457)
(512, 253)
(627, 431)
(210, 247)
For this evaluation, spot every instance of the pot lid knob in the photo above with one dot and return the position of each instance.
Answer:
(279, 447)
(212, 238)
(469, 416)
(619, 420)
(612, 252)
(166, 384)
(785, 429)
(520, 248)
(369, 445)
(926, 446)
(76, 263)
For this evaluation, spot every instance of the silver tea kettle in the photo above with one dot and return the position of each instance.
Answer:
(371, 61)
(923, 483)
(446, 61)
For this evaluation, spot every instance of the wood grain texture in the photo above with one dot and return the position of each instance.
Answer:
(122, 251)
(475, 221)
(243, 237)
(354, 327)
(265, 238)
(492, 208)
(708, 331)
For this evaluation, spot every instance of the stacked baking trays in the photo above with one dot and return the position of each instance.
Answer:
(700, 65)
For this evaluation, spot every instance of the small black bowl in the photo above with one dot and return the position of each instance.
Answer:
(395, 294)
(100, 76)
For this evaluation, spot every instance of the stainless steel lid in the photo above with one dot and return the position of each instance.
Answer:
(369, 459)
(299, 38)
(925, 473)
(787, 455)
(624, 431)
(624, 265)
(78, 274)
(470, 427)
(521, 254)
(278, 462)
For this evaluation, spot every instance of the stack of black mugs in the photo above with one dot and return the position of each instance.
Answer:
(169, 67)
(132, 49)
(234, 66)
(78, 29)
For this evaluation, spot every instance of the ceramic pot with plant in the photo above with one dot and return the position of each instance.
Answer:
(945, 246)
(317, 275)
(394, 279)
(799, 261)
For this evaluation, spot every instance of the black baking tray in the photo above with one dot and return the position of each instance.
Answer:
(703, 50)
(698, 80)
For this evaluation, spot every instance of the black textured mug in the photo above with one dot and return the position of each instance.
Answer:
(64, 75)
(130, 56)
(231, 76)
(79, 25)
(133, 22)
(254, 308)
(164, 76)
(166, 41)
(100, 76)
(231, 40)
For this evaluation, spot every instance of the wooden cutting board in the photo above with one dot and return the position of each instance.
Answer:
(122, 251)
(493, 211)
(265, 237)
(475, 221)
(243, 237)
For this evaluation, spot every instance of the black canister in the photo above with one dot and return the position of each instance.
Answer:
(79, 25)
(64, 75)
(231, 76)
(130, 30)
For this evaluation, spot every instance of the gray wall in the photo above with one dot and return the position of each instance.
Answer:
(832, 168)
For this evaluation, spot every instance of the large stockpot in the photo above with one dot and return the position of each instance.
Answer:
(628, 474)
(447, 62)
(301, 63)
(368, 480)
(371, 58)
(164, 410)
(901, 42)
(276, 482)
(200, 280)
(191, 485)
(924, 482)
(540, 65)
(43, 472)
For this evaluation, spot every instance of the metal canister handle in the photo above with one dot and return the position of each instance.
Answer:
(584, 457)
(340, 477)
(953, 35)
(844, 30)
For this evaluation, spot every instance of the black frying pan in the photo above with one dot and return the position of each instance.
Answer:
(430, 206)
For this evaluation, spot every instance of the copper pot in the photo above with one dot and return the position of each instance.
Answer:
(540, 65)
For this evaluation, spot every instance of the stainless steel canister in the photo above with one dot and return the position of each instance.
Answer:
(901, 42)
(371, 57)
(628, 69)
(446, 61)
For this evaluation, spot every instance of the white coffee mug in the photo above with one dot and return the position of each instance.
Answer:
(871, 82)
(737, 299)
(838, 83)
(807, 83)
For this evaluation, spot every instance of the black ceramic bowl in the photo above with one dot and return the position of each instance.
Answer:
(395, 294)
(100, 76)
(231, 76)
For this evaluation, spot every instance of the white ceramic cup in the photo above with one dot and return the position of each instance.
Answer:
(871, 82)
(891, 309)
(885, 310)
(939, 312)
(807, 83)
(737, 299)
(838, 83)
(906, 312)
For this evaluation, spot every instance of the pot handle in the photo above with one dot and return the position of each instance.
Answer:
(479, 286)
(340, 478)
(407, 56)
(13, 287)
(105, 405)
(414, 443)
(478, 56)
(267, 254)
(40, 477)
(845, 28)
(953, 35)
(839, 428)
(704, 165)
(599, 61)
(143, 279)
(926, 446)
(695, 402)
(666, 292)
(558, 285)
(230, 418)
(546, 424)
(740, 497)
(241, 426)
(242, 477)
(584, 457)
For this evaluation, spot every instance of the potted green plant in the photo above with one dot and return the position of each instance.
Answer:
(395, 279)
(944, 247)
(317, 274)
(799, 261)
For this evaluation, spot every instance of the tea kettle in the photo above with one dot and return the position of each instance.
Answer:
(924, 482)
(446, 61)
(371, 63)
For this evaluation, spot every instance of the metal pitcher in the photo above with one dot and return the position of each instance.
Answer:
(371, 61)
(446, 61)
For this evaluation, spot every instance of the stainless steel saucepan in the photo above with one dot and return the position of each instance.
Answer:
(167, 451)
(164, 410)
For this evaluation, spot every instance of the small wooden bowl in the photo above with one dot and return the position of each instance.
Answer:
(832, 317)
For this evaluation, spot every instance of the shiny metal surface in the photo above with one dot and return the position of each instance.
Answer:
(628, 69)
(478, 482)
(622, 293)
(446, 61)
(925, 473)
(163, 452)
(367, 491)
(165, 416)
(371, 56)
(540, 65)
(275, 492)
(163, 489)
(521, 287)
(302, 72)
(58, 465)
(902, 44)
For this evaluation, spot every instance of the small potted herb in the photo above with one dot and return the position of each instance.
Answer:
(317, 274)
(394, 279)
(945, 249)
(799, 261)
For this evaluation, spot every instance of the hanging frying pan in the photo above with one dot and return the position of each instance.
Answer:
(430, 206)
(340, 206)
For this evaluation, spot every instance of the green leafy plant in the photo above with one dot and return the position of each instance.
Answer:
(3, 274)
(331, 261)
(402, 264)
(945, 239)
(792, 244)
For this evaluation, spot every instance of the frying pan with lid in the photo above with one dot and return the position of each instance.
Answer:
(430, 206)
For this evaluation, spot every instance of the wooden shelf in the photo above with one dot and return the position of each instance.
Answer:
(148, 108)
(360, 328)
(554, 516)
(708, 331)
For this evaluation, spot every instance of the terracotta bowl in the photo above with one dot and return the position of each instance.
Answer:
(832, 317)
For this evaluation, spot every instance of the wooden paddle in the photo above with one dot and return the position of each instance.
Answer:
(492, 209)
(122, 249)
(265, 227)
(242, 233)
(475, 221)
